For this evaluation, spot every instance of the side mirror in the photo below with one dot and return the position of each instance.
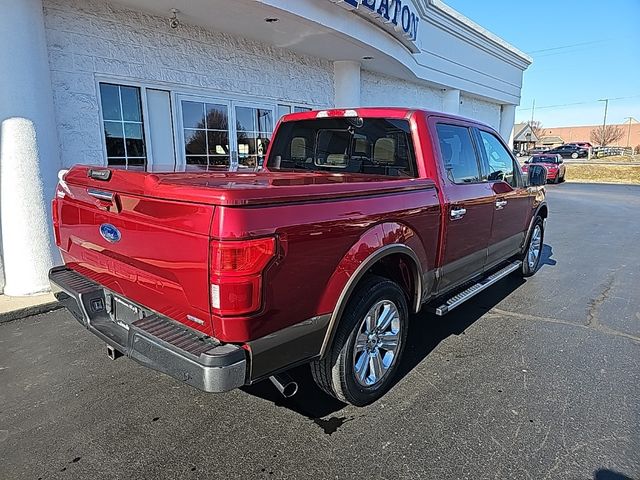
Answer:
(527, 161)
(537, 175)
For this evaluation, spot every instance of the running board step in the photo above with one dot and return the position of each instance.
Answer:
(461, 297)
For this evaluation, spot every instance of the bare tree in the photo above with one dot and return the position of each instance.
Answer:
(605, 135)
(537, 129)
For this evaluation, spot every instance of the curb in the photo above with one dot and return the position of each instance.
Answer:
(28, 311)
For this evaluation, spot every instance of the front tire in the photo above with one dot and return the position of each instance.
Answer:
(533, 251)
(361, 363)
(574, 155)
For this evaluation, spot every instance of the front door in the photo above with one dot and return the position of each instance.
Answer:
(469, 203)
(513, 203)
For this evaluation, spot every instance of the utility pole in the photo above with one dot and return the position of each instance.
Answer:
(604, 122)
(629, 131)
(533, 109)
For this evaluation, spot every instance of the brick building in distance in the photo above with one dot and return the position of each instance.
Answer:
(555, 136)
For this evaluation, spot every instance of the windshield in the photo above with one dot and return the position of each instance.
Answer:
(375, 146)
(544, 159)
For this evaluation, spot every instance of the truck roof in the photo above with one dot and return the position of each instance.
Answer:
(373, 112)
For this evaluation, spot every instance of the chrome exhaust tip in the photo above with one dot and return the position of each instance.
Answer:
(112, 353)
(285, 384)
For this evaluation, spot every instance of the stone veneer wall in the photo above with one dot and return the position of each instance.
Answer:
(86, 38)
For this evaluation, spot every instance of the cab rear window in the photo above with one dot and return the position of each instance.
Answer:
(375, 146)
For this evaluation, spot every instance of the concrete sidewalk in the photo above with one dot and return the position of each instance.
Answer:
(13, 308)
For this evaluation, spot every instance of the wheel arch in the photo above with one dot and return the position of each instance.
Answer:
(402, 249)
(541, 211)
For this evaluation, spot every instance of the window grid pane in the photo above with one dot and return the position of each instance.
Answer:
(123, 125)
(206, 135)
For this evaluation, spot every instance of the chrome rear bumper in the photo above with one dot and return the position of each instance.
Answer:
(154, 341)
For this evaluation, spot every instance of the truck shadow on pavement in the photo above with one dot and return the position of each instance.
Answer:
(426, 331)
(605, 474)
(546, 256)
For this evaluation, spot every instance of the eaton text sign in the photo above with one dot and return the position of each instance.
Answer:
(395, 16)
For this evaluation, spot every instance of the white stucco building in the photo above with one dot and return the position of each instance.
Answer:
(121, 84)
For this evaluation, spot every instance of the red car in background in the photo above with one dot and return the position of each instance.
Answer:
(552, 162)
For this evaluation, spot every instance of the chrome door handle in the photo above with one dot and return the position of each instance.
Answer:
(500, 204)
(457, 213)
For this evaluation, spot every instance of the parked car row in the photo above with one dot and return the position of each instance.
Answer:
(568, 150)
(552, 162)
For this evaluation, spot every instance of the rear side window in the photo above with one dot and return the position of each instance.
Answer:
(501, 165)
(458, 154)
(375, 146)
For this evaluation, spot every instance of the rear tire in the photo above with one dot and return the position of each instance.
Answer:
(533, 251)
(574, 155)
(367, 348)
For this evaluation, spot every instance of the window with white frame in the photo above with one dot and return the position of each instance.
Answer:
(206, 135)
(123, 126)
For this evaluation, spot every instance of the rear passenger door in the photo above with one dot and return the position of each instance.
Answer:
(468, 204)
(513, 203)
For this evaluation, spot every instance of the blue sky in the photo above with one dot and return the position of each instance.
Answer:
(582, 51)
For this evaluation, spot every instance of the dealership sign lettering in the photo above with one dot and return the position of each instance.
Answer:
(396, 16)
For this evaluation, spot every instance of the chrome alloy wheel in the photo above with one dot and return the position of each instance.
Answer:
(377, 343)
(534, 247)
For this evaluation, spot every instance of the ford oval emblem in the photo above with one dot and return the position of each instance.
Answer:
(110, 233)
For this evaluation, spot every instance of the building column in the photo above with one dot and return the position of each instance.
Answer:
(29, 157)
(346, 83)
(507, 119)
(451, 101)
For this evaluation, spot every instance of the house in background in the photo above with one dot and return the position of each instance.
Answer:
(524, 137)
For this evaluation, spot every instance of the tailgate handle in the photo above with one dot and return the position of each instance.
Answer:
(105, 200)
(101, 195)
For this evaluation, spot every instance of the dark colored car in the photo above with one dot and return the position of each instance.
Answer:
(552, 162)
(358, 219)
(585, 145)
(569, 151)
(536, 150)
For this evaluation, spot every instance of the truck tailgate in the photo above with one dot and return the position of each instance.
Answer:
(153, 251)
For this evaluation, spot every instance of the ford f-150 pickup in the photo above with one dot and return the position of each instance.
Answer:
(358, 219)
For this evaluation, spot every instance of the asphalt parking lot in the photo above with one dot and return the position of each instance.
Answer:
(535, 379)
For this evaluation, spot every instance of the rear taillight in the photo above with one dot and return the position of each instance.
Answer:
(236, 274)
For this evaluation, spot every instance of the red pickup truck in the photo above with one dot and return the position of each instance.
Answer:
(358, 219)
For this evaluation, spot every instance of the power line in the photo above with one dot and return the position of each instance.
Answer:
(566, 46)
(576, 103)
